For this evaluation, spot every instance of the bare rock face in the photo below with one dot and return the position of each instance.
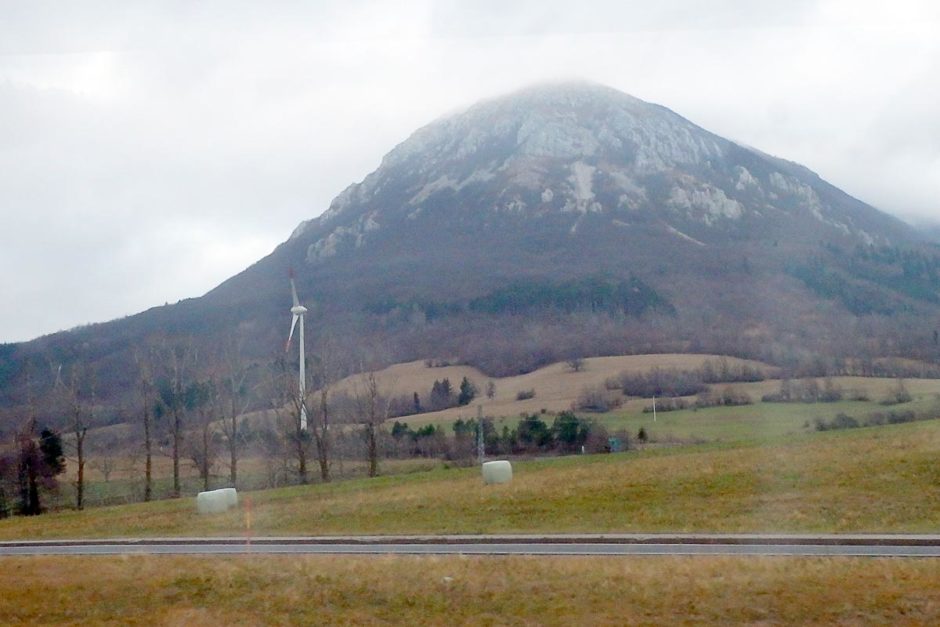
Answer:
(569, 150)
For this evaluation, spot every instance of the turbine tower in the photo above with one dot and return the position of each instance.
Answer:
(298, 312)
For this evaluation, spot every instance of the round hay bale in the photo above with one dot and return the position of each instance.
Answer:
(497, 472)
(211, 502)
(231, 496)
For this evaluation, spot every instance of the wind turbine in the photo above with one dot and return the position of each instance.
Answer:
(298, 312)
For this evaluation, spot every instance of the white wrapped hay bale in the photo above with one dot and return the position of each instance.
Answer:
(231, 496)
(497, 472)
(214, 501)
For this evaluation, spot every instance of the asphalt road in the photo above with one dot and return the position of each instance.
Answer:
(846, 546)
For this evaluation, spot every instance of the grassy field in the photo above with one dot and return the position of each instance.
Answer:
(861, 480)
(467, 590)
(756, 422)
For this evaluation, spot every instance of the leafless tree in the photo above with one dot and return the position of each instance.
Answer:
(178, 362)
(79, 398)
(286, 404)
(202, 449)
(230, 376)
(147, 398)
(324, 375)
(106, 463)
(371, 411)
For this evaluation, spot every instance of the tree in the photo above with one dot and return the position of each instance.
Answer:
(229, 379)
(200, 399)
(147, 399)
(287, 406)
(442, 395)
(575, 364)
(468, 392)
(490, 389)
(464, 435)
(172, 395)
(324, 375)
(50, 445)
(78, 398)
(533, 432)
(372, 410)
(36, 465)
(570, 431)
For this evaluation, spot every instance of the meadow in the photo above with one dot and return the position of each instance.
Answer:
(876, 479)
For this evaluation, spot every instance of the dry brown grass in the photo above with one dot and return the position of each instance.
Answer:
(467, 590)
(556, 386)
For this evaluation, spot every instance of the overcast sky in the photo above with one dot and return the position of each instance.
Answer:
(150, 150)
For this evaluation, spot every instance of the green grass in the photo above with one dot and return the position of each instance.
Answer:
(882, 479)
(757, 422)
(761, 421)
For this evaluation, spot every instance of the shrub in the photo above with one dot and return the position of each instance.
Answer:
(723, 371)
(841, 421)
(897, 395)
(596, 399)
(662, 382)
(667, 405)
(523, 395)
(728, 397)
(575, 364)
(805, 391)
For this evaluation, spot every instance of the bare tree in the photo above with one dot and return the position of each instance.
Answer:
(106, 463)
(79, 397)
(147, 398)
(104, 456)
(371, 411)
(172, 393)
(286, 403)
(231, 397)
(200, 400)
(321, 417)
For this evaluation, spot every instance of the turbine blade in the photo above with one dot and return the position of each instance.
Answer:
(293, 291)
(293, 323)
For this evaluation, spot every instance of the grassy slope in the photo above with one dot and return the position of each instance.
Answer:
(876, 479)
(461, 590)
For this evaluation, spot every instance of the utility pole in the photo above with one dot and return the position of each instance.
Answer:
(481, 453)
(654, 408)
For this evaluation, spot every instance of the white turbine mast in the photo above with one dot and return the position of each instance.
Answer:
(298, 312)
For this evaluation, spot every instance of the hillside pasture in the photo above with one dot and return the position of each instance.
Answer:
(878, 479)
(556, 386)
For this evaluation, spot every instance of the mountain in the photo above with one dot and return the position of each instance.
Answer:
(566, 219)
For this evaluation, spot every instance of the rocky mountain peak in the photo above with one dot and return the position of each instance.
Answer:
(574, 149)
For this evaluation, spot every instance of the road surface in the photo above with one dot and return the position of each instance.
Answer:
(597, 545)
